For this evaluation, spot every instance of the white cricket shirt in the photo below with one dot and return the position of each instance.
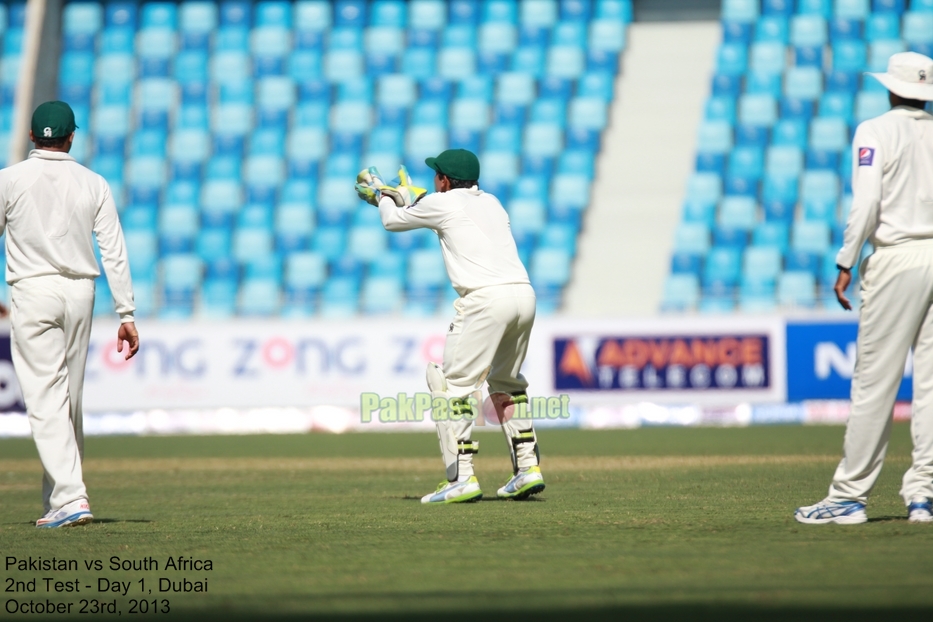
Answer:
(475, 235)
(892, 182)
(50, 206)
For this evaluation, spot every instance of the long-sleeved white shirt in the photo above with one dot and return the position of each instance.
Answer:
(892, 182)
(50, 206)
(475, 235)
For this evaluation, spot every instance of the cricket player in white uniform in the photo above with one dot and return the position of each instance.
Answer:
(892, 184)
(50, 207)
(488, 337)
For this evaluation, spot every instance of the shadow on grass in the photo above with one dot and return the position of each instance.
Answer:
(625, 613)
(483, 500)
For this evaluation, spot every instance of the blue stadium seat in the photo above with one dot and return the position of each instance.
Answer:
(870, 104)
(808, 31)
(801, 261)
(681, 292)
(736, 32)
(516, 88)
(784, 160)
(692, 237)
(722, 267)
(771, 233)
(836, 104)
(772, 28)
(918, 27)
(312, 15)
(721, 108)
(738, 213)
(695, 211)
(81, 18)
(740, 10)
(843, 81)
(841, 28)
(767, 57)
(758, 110)
(803, 83)
(197, 17)
(746, 162)
(587, 113)
(761, 264)
(796, 109)
(159, 15)
(796, 289)
(732, 59)
(715, 137)
(852, 9)
(880, 51)
(120, 14)
(762, 83)
(829, 134)
(810, 236)
(883, 26)
(115, 68)
(809, 56)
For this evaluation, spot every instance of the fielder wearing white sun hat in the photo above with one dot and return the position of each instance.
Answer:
(909, 75)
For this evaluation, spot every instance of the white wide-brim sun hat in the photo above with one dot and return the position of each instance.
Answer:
(909, 75)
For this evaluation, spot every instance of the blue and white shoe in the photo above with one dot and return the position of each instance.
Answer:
(75, 513)
(455, 492)
(525, 483)
(920, 510)
(826, 511)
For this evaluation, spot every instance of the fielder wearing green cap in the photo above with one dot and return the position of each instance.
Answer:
(51, 208)
(53, 125)
(488, 338)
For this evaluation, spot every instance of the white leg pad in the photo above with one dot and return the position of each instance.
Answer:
(457, 448)
(522, 440)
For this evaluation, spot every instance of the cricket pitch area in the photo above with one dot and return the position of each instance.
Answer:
(646, 524)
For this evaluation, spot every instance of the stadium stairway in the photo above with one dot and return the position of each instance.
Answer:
(647, 157)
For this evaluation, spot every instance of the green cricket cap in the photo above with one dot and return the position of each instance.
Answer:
(53, 120)
(456, 164)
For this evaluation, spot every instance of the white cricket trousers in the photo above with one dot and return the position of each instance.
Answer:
(51, 326)
(491, 330)
(896, 314)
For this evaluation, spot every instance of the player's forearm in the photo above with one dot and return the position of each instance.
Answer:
(113, 256)
(396, 218)
(857, 231)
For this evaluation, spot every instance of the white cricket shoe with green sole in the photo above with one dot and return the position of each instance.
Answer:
(525, 483)
(455, 492)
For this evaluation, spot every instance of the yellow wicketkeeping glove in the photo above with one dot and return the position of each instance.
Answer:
(367, 185)
(404, 194)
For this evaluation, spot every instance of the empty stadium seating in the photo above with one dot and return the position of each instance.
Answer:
(231, 133)
(766, 208)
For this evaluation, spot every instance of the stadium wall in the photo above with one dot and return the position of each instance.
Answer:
(281, 376)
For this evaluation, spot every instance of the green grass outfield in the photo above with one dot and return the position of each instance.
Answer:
(655, 523)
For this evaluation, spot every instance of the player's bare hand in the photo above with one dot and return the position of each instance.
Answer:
(4, 312)
(127, 332)
(842, 284)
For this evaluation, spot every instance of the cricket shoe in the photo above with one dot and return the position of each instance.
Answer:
(826, 511)
(920, 510)
(525, 483)
(74, 513)
(455, 492)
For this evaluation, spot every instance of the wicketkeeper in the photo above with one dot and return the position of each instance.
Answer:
(488, 337)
